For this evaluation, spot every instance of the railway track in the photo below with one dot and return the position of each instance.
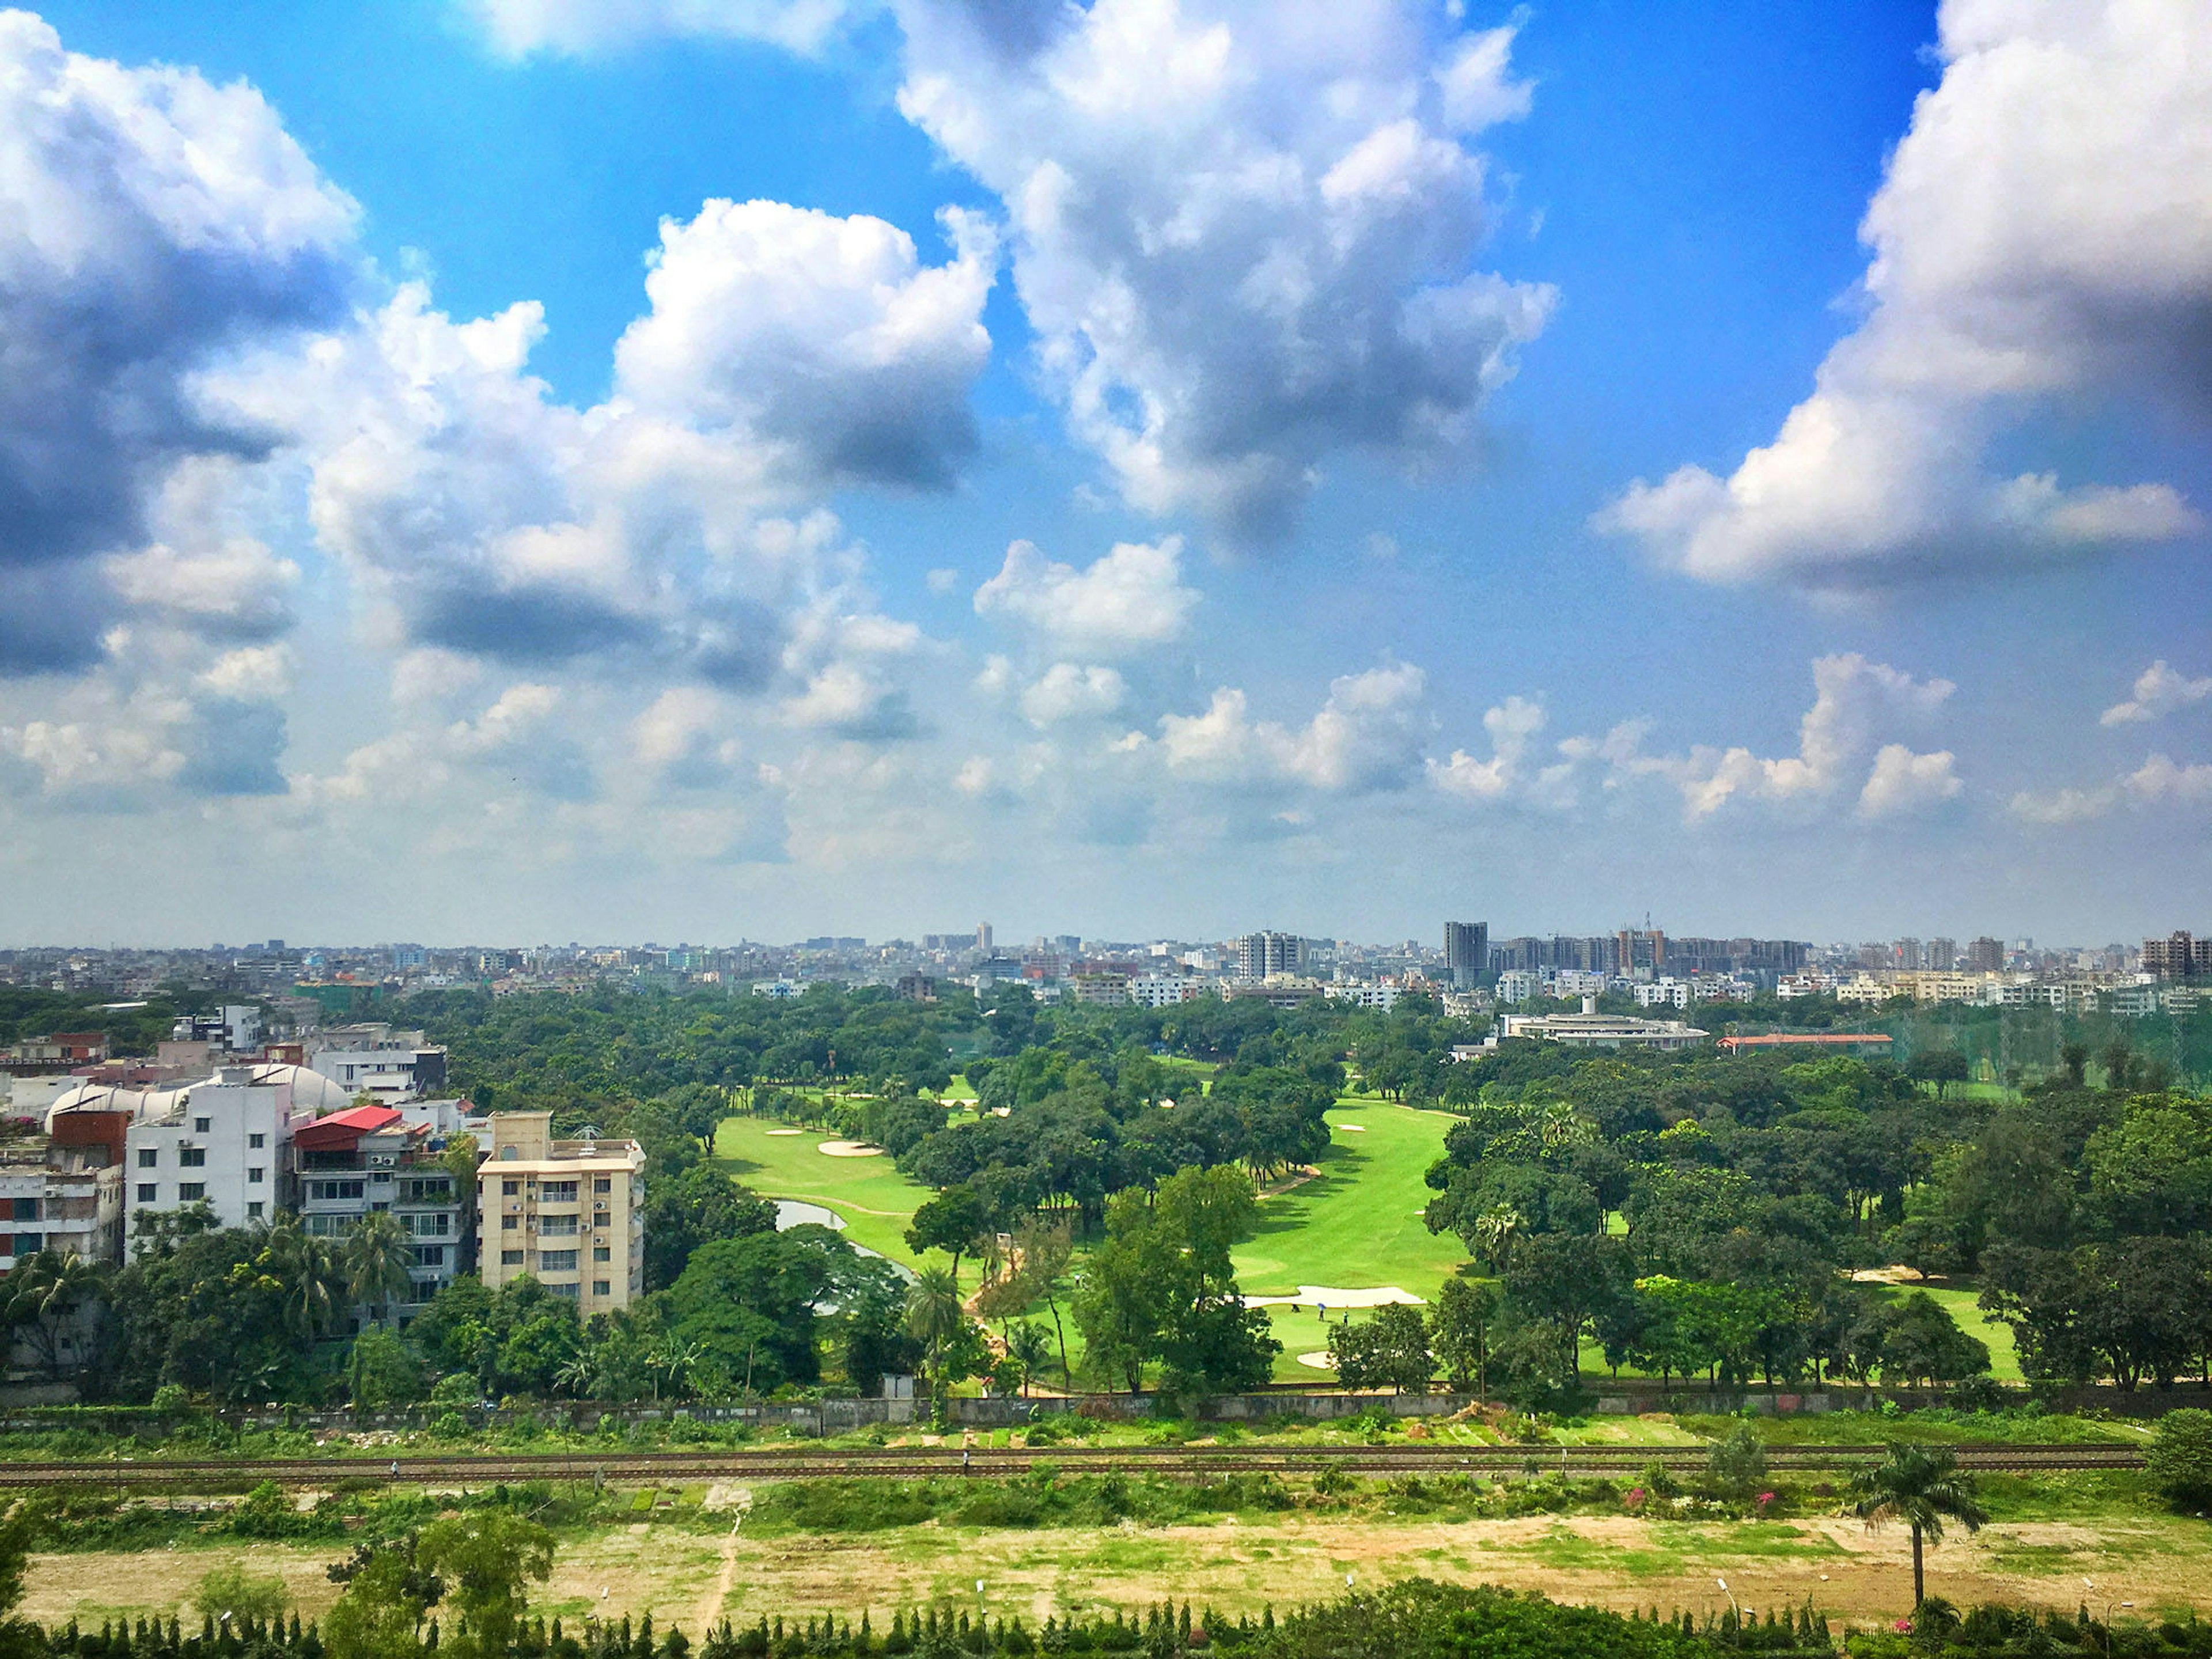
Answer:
(1175, 1462)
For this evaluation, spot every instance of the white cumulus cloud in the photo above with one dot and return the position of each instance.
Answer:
(1245, 236)
(2159, 691)
(824, 338)
(1131, 599)
(2044, 232)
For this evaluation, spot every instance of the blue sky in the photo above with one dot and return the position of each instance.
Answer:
(1373, 384)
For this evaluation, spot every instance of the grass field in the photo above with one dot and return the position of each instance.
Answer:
(875, 1201)
(1357, 1225)
(689, 1564)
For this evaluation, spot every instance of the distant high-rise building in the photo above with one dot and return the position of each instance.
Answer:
(1941, 955)
(2179, 955)
(1985, 956)
(1640, 951)
(1259, 955)
(1466, 952)
(982, 935)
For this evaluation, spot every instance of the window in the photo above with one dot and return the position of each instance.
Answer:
(149, 1158)
(557, 1261)
(510, 1258)
(600, 1287)
(193, 1157)
(557, 1192)
(255, 1176)
(191, 1191)
(557, 1226)
(568, 1290)
(430, 1226)
(202, 1124)
(603, 1184)
(29, 1243)
(429, 1255)
(332, 1191)
(26, 1209)
(510, 1189)
(601, 1253)
(508, 1224)
(256, 1141)
(508, 1154)
(148, 1193)
(253, 1211)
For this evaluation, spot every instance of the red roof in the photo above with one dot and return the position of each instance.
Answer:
(344, 1129)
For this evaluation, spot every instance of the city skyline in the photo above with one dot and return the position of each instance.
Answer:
(495, 469)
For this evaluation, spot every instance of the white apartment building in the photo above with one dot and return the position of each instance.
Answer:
(1519, 985)
(1163, 990)
(225, 1141)
(568, 1212)
(1380, 996)
(1663, 994)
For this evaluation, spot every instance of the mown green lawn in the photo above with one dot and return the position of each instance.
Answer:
(874, 1199)
(1357, 1225)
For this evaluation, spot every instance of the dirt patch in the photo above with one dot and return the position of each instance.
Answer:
(1622, 1562)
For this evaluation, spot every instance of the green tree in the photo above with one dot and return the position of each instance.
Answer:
(953, 1221)
(379, 1262)
(1123, 1300)
(382, 1371)
(486, 1558)
(1922, 1487)
(1027, 1341)
(231, 1593)
(43, 1298)
(307, 1278)
(953, 1350)
(2180, 1456)
(1460, 1330)
(1921, 1342)
(388, 1594)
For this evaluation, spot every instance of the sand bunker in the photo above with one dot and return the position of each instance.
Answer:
(1320, 1362)
(786, 1132)
(849, 1149)
(1353, 1128)
(1329, 1296)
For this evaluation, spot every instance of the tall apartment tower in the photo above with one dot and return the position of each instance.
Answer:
(1259, 955)
(1467, 953)
(983, 936)
(571, 1213)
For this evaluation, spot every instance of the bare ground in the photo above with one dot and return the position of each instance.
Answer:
(1619, 1562)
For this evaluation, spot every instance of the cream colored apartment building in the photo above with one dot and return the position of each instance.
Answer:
(570, 1212)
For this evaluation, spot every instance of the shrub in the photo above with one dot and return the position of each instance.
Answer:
(2180, 1456)
(1737, 1466)
(171, 1397)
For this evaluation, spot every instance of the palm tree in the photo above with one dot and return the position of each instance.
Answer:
(935, 1319)
(309, 1280)
(1028, 1342)
(1495, 1230)
(578, 1375)
(1923, 1486)
(672, 1357)
(378, 1257)
(43, 1291)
